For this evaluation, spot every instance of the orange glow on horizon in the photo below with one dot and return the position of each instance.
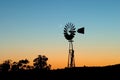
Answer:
(98, 56)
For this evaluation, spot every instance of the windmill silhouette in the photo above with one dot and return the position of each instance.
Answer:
(69, 33)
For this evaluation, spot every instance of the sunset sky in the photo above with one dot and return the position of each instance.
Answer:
(32, 27)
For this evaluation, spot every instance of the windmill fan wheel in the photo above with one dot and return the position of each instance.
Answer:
(69, 31)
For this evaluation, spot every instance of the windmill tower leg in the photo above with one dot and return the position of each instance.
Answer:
(71, 60)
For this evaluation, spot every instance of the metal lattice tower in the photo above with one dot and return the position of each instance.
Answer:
(71, 59)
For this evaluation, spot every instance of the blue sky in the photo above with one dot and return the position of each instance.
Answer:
(38, 24)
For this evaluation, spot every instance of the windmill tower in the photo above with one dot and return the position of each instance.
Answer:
(69, 33)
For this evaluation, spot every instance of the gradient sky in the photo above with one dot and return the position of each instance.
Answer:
(32, 27)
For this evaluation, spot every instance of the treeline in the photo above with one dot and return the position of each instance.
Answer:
(39, 63)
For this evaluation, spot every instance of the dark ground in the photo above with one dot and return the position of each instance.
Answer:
(77, 73)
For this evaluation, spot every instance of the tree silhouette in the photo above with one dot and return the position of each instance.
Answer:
(21, 65)
(41, 62)
(5, 66)
(15, 66)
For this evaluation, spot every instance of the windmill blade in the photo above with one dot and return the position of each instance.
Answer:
(73, 28)
(81, 30)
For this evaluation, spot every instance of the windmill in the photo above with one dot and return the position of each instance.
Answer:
(69, 33)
